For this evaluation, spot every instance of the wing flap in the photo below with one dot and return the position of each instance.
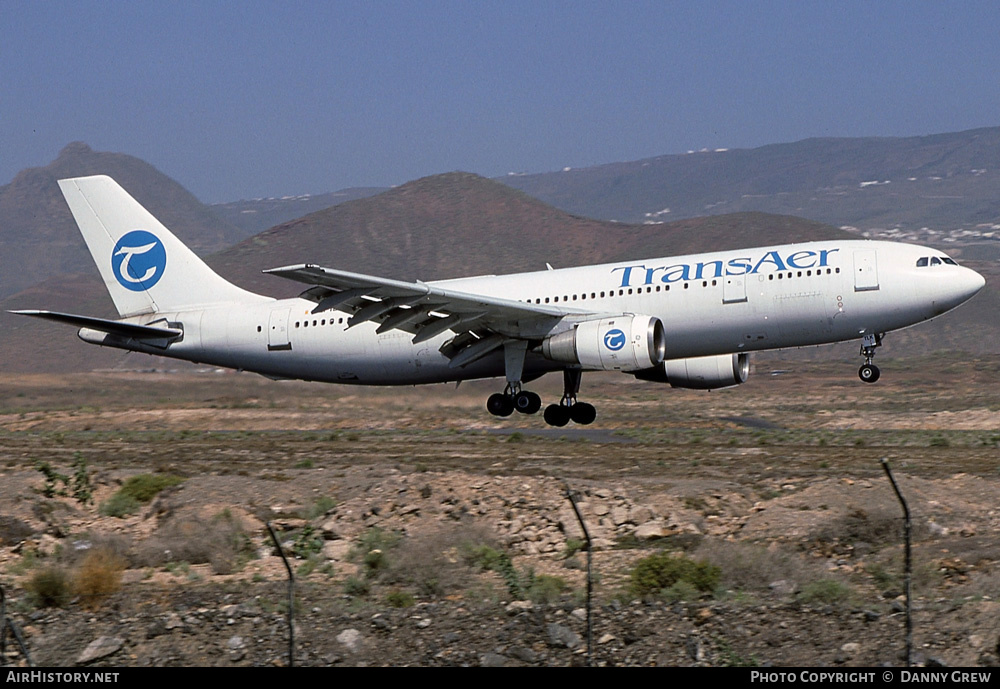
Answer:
(420, 307)
(482, 323)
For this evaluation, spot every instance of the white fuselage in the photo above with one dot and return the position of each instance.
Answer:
(715, 303)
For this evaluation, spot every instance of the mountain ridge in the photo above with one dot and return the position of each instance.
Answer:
(39, 238)
(944, 181)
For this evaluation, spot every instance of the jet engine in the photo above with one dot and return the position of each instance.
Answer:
(622, 343)
(700, 373)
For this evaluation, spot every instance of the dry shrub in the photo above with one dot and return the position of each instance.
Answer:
(661, 572)
(98, 576)
(13, 530)
(49, 587)
(113, 543)
(435, 564)
(878, 525)
(220, 542)
(753, 568)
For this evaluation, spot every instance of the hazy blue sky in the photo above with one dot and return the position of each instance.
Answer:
(245, 99)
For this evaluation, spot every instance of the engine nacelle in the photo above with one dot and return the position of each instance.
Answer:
(623, 343)
(701, 373)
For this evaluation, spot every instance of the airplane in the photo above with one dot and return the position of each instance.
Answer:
(688, 321)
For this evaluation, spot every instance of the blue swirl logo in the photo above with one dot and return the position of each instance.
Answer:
(138, 260)
(614, 339)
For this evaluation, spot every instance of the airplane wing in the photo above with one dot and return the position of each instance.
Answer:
(482, 323)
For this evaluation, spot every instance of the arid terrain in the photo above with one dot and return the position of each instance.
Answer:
(429, 533)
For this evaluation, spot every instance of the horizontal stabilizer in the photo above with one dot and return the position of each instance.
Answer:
(133, 330)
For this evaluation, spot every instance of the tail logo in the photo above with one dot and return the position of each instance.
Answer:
(138, 260)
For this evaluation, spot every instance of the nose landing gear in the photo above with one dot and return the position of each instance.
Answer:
(869, 372)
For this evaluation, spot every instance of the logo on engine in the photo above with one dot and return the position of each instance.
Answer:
(138, 260)
(614, 339)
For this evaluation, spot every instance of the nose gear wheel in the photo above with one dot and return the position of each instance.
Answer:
(869, 372)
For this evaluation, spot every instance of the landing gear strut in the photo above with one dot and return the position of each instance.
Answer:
(568, 408)
(869, 372)
(513, 398)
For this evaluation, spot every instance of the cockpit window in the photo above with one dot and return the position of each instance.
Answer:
(925, 261)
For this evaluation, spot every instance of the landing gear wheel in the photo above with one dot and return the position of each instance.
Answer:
(583, 413)
(500, 404)
(556, 415)
(869, 373)
(527, 402)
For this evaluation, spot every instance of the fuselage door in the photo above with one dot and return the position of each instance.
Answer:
(734, 289)
(865, 270)
(277, 331)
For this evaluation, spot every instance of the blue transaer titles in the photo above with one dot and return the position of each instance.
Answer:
(635, 275)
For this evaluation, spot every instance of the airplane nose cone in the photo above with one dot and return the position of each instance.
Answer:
(961, 287)
(972, 283)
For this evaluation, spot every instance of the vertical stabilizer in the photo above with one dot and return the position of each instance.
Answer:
(144, 266)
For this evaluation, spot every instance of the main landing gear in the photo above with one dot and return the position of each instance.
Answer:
(513, 398)
(568, 408)
(869, 372)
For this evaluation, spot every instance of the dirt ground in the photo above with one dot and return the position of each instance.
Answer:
(778, 482)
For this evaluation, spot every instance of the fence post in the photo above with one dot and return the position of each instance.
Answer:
(907, 565)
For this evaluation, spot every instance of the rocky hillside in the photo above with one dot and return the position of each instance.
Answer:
(40, 240)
